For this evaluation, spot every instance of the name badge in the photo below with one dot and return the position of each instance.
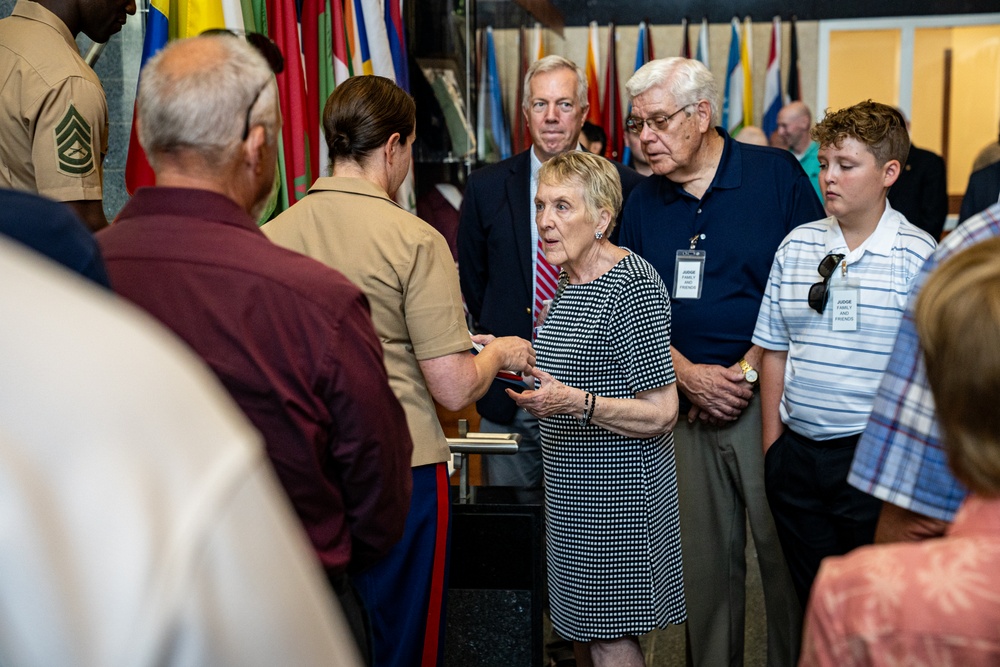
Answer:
(689, 272)
(845, 308)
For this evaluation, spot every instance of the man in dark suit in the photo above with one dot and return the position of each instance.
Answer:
(921, 191)
(982, 192)
(497, 247)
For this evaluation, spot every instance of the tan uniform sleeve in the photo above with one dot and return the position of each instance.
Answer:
(432, 301)
(70, 141)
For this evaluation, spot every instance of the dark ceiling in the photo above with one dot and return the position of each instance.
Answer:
(505, 14)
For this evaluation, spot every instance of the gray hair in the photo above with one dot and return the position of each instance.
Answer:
(194, 95)
(551, 64)
(686, 81)
(600, 181)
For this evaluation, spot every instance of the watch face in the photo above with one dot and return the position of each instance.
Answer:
(751, 376)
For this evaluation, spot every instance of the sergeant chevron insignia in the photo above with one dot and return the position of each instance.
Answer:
(74, 150)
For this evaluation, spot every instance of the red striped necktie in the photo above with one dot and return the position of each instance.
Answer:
(546, 279)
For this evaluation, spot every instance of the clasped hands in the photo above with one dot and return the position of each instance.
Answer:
(718, 394)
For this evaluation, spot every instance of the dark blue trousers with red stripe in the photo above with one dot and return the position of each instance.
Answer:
(404, 593)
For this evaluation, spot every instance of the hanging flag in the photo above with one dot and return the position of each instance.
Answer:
(492, 136)
(685, 42)
(295, 153)
(612, 117)
(195, 17)
(642, 50)
(341, 54)
(138, 173)
(372, 17)
(406, 196)
(746, 61)
(794, 89)
(593, 87)
(772, 81)
(397, 42)
(537, 51)
(357, 38)
(702, 51)
(522, 140)
(649, 54)
(333, 71)
(732, 105)
(317, 56)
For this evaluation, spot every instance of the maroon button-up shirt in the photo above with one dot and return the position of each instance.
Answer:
(292, 341)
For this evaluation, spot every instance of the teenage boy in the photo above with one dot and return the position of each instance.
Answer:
(828, 321)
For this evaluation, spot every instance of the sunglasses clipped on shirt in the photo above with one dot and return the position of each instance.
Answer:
(819, 292)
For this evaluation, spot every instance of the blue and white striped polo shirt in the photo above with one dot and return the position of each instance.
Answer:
(831, 376)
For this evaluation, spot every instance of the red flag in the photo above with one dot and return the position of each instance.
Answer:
(612, 102)
(313, 16)
(650, 55)
(341, 57)
(138, 173)
(283, 26)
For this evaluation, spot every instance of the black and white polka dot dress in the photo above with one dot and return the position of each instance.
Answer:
(612, 527)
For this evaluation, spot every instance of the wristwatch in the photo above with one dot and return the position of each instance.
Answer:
(749, 372)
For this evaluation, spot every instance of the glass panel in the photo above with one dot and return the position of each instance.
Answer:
(864, 64)
(927, 107)
(975, 99)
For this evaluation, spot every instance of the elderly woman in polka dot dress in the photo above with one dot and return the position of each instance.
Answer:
(606, 395)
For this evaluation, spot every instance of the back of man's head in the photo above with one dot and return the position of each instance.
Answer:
(685, 80)
(958, 320)
(798, 109)
(201, 96)
(878, 126)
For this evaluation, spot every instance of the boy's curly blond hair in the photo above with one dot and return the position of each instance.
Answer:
(879, 126)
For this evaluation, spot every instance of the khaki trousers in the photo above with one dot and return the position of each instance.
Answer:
(720, 475)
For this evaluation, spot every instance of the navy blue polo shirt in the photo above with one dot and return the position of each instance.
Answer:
(758, 195)
(52, 229)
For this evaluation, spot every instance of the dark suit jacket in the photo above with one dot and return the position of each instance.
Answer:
(982, 192)
(921, 191)
(495, 258)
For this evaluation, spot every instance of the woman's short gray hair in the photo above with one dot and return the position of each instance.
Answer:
(551, 64)
(686, 81)
(195, 94)
(602, 186)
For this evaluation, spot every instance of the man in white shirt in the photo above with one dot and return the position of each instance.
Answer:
(140, 520)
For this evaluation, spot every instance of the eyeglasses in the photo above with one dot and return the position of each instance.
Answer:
(246, 122)
(656, 123)
(266, 48)
(818, 291)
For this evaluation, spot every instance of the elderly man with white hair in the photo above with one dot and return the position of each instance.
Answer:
(710, 219)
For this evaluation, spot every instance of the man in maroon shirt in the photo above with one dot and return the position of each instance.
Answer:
(291, 339)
